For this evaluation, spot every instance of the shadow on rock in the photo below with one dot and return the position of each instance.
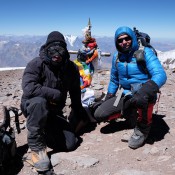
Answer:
(114, 126)
(158, 130)
(18, 161)
(88, 128)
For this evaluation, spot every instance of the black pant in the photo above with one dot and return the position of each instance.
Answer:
(129, 111)
(47, 126)
(107, 108)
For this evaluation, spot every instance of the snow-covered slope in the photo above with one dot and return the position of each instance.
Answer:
(167, 58)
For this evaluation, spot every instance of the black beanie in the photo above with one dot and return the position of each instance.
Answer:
(55, 36)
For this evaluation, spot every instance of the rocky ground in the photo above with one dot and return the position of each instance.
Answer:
(102, 151)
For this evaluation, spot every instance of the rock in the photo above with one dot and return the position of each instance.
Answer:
(101, 150)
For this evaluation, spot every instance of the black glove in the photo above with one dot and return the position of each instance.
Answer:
(145, 94)
(108, 96)
(80, 114)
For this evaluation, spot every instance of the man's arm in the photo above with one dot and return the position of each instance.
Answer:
(32, 85)
(114, 82)
(155, 68)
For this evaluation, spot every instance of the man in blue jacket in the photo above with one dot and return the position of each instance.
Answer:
(46, 82)
(138, 90)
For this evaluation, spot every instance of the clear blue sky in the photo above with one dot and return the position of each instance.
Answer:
(40, 17)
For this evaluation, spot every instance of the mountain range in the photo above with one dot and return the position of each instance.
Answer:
(17, 51)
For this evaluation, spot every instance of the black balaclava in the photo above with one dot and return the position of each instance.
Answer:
(56, 45)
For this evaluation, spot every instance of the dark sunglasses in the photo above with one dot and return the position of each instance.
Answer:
(122, 39)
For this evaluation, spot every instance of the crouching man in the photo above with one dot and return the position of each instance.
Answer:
(46, 81)
(137, 89)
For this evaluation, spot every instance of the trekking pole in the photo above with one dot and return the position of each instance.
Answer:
(103, 54)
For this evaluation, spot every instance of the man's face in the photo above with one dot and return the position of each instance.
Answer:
(56, 52)
(124, 41)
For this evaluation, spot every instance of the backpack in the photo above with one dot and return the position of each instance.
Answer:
(144, 41)
(7, 140)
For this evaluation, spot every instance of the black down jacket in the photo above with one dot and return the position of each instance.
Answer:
(42, 80)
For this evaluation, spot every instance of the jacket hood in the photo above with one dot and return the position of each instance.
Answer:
(128, 31)
(54, 37)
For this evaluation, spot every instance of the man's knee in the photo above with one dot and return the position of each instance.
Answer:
(28, 105)
(37, 112)
(38, 101)
(101, 114)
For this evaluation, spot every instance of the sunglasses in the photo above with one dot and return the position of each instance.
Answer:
(122, 39)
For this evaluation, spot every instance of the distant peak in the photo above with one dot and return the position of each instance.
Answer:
(70, 38)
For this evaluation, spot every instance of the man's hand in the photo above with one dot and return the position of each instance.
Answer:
(145, 94)
(53, 103)
(81, 114)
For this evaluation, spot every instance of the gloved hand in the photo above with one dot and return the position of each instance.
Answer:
(56, 102)
(108, 96)
(80, 114)
(53, 103)
(54, 96)
(145, 94)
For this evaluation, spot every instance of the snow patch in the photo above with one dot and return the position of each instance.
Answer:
(10, 68)
(2, 43)
(71, 39)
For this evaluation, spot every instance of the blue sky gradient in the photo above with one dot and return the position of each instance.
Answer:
(40, 17)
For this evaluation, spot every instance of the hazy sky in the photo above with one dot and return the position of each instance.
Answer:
(40, 17)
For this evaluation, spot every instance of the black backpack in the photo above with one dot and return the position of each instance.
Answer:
(7, 140)
(144, 41)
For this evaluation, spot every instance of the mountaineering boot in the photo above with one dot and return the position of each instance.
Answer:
(40, 160)
(137, 139)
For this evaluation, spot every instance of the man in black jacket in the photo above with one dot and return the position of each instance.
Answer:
(46, 81)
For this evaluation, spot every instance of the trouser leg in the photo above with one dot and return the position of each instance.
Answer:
(107, 110)
(59, 135)
(131, 116)
(145, 118)
(36, 113)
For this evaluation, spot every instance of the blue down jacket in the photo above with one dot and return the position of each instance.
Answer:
(125, 71)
